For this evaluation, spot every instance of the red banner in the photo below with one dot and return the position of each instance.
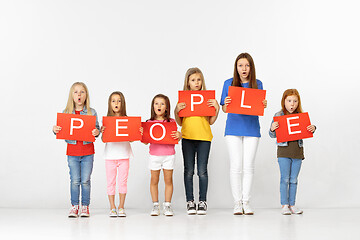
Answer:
(293, 127)
(247, 101)
(121, 129)
(76, 127)
(196, 103)
(159, 132)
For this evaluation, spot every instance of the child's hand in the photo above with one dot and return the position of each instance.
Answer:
(95, 132)
(56, 129)
(176, 135)
(179, 107)
(213, 103)
(274, 126)
(311, 128)
(227, 101)
(265, 103)
(102, 129)
(141, 129)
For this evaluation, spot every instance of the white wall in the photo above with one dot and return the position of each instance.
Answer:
(145, 47)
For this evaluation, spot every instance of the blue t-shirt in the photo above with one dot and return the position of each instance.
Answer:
(240, 124)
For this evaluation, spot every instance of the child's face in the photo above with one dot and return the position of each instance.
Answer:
(195, 82)
(243, 68)
(159, 106)
(115, 103)
(79, 95)
(291, 103)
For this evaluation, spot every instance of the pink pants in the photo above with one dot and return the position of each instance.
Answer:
(121, 168)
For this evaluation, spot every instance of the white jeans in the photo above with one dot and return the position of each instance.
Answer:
(242, 151)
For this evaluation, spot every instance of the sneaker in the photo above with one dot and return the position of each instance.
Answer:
(285, 210)
(191, 207)
(113, 213)
(121, 212)
(155, 210)
(74, 211)
(167, 209)
(202, 208)
(295, 210)
(84, 211)
(238, 210)
(247, 209)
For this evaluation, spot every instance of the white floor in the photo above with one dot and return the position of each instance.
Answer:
(217, 224)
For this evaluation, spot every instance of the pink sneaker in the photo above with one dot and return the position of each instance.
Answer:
(84, 211)
(74, 211)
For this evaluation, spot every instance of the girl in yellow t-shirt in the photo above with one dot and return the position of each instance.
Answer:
(197, 136)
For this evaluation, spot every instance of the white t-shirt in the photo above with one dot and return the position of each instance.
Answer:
(117, 150)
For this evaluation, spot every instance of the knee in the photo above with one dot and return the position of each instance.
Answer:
(154, 180)
(188, 172)
(293, 181)
(202, 173)
(85, 182)
(285, 180)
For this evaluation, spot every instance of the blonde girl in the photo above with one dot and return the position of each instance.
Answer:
(289, 154)
(197, 136)
(117, 155)
(80, 153)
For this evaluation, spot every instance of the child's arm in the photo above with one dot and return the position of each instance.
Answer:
(141, 129)
(226, 103)
(56, 129)
(176, 135)
(179, 107)
(96, 131)
(311, 128)
(215, 104)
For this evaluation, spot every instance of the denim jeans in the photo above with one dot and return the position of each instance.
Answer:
(80, 173)
(201, 149)
(289, 170)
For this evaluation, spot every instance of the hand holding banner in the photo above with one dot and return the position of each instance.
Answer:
(159, 132)
(196, 103)
(76, 127)
(121, 129)
(247, 101)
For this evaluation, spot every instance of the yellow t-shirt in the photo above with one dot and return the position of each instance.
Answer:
(196, 128)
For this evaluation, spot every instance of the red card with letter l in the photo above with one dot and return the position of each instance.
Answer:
(121, 129)
(196, 103)
(293, 127)
(246, 101)
(159, 132)
(76, 127)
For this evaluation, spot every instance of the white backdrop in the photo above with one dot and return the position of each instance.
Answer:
(145, 47)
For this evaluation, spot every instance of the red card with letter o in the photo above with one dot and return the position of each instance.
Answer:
(159, 132)
(121, 129)
(293, 127)
(196, 103)
(246, 101)
(76, 127)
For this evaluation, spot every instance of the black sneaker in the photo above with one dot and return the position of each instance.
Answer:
(191, 207)
(202, 208)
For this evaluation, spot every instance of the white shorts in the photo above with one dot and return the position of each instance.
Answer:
(161, 162)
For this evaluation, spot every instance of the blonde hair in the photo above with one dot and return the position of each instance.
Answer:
(291, 92)
(190, 72)
(122, 105)
(70, 106)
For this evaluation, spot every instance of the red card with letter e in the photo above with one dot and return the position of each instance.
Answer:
(76, 127)
(159, 132)
(293, 127)
(121, 129)
(196, 103)
(246, 101)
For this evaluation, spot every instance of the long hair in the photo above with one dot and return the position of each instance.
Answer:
(190, 72)
(167, 109)
(122, 105)
(70, 106)
(252, 75)
(291, 92)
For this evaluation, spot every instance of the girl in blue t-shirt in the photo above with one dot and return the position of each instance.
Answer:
(242, 133)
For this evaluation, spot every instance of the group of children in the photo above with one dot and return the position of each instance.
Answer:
(242, 135)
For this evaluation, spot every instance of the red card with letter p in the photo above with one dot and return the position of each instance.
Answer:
(159, 132)
(293, 127)
(196, 103)
(246, 101)
(120, 129)
(76, 127)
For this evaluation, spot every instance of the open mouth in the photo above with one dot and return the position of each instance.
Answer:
(116, 107)
(159, 110)
(79, 99)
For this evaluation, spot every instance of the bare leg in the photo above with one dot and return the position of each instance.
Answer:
(168, 184)
(122, 199)
(154, 185)
(112, 201)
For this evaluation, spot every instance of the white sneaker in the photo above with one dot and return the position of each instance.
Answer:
(238, 210)
(121, 212)
(167, 209)
(155, 210)
(247, 209)
(74, 211)
(295, 210)
(285, 210)
(113, 213)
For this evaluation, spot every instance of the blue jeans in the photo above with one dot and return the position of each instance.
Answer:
(289, 170)
(80, 173)
(201, 149)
